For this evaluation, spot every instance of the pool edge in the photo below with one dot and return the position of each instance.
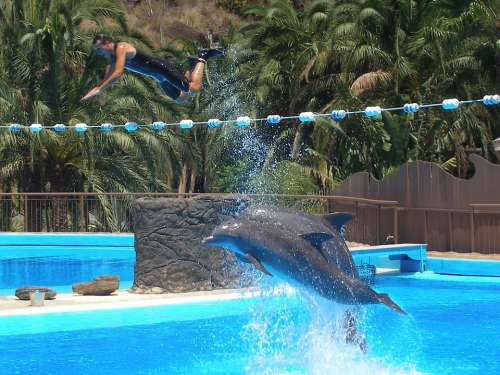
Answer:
(134, 300)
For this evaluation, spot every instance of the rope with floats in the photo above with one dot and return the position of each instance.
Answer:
(304, 117)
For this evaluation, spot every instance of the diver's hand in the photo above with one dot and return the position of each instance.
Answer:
(94, 92)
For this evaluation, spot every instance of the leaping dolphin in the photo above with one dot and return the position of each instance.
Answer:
(271, 240)
(334, 249)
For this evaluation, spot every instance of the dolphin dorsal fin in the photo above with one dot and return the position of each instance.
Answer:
(316, 238)
(338, 219)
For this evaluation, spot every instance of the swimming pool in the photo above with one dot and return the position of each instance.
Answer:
(453, 328)
(60, 260)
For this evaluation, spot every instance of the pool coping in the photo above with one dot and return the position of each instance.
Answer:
(70, 302)
(123, 298)
(75, 239)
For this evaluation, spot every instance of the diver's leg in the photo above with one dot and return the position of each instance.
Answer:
(195, 74)
(173, 92)
(195, 77)
(170, 90)
(189, 83)
(174, 76)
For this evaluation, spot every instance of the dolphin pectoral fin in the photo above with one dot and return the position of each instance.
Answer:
(242, 258)
(257, 264)
(338, 219)
(386, 300)
(316, 239)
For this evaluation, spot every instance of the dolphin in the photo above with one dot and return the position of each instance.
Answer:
(281, 243)
(334, 249)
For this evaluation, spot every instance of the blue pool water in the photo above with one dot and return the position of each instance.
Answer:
(59, 267)
(453, 327)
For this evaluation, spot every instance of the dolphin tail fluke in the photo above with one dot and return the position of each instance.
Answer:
(386, 300)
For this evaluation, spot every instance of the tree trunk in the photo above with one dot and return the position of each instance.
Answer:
(297, 142)
(192, 182)
(396, 27)
(183, 179)
(498, 54)
(205, 168)
(59, 214)
(59, 203)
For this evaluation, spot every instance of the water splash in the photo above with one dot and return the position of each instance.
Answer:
(300, 333)
(228, 98)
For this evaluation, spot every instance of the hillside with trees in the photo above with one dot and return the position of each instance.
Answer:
(282, 57)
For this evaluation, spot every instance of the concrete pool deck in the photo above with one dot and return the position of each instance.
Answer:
(67, 302)
(456, 255)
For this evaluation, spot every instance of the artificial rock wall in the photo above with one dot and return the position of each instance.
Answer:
(169, 253)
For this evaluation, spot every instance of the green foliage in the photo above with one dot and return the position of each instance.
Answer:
(284, 177)
(343, 54)
(350, 54)
(397, 127)
(235, 6)
(232, 177)
(44, 50)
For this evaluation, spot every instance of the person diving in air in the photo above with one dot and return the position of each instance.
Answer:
(175, 84)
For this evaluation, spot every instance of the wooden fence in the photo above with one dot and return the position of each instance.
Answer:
(446, 212)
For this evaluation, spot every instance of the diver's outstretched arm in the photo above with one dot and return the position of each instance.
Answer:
(113, 72)
(109, 69)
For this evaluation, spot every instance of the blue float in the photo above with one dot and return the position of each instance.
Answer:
(186, 124)
(373, 111)
(36, 128)
(450, 104)
(491, 100)
(131, 126)
(242, 121)
(15, 128)
(158, 125)
(273, 119)
(81, 128)
(214, 123)
(59, 128)
(306, 117)
(338, 115)
(106, 127)
(411, 107)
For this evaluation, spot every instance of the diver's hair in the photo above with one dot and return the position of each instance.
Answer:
(103, 39)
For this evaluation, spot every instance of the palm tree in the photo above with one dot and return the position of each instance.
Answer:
(44, 50)
(387, 52)
(457, 54)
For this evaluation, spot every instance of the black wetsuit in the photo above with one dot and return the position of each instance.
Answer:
(170, 79)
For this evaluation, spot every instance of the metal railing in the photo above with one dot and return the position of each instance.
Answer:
(113, 212)
(476, 229)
